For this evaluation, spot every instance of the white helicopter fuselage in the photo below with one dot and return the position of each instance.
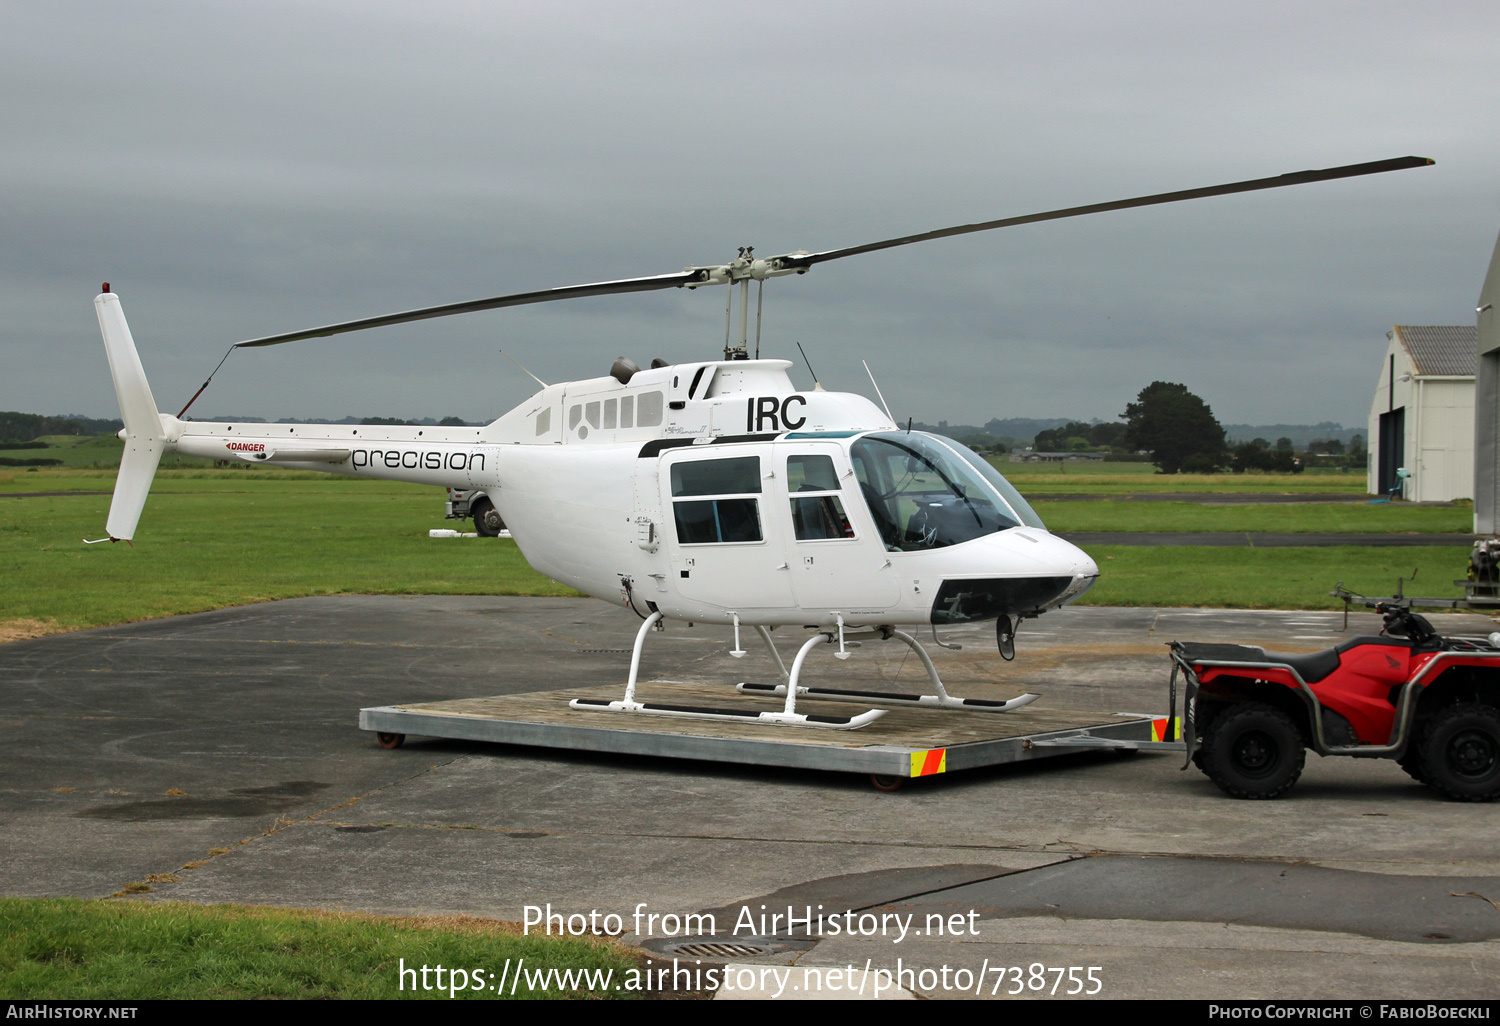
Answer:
(709, 492)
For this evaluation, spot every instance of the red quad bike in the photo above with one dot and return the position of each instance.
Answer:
(1430, 703)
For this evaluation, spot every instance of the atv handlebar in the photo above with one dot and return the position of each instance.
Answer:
(1401, 622)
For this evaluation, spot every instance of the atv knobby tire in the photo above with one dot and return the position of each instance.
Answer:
(1253, 751)
(1412, 764)
(1459, 752)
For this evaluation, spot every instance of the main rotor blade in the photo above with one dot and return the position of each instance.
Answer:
(601, 288)
(1294, 178)
(707, 275)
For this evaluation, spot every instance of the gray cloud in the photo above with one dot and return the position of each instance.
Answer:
(236, 170)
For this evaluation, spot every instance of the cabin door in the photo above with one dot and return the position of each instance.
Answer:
(727, 547)
(839, 564)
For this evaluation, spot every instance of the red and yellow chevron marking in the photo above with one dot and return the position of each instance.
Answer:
(1159, 729)
(925, 764)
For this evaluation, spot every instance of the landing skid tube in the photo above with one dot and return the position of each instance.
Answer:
(925, 701)
(788, 716)
(701, 712)
(941, 700)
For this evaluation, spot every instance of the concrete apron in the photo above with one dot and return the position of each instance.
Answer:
(1358, 883)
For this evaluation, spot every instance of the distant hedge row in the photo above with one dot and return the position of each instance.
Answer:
(22, 427)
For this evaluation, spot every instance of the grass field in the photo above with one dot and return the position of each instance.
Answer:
(94, 451)
(217, 537)
(1293, 518)
(59, 948)
(1141, 478)
(1280, 578)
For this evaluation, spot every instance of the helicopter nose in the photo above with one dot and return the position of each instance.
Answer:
(1060, 557)
(1083, 564)
(1022, 571)
(1082, 567)
(1054, 555)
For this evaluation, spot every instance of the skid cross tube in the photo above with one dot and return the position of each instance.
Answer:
(788, 716)
(940, 700)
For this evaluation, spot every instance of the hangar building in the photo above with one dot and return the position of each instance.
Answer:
(1422, 413)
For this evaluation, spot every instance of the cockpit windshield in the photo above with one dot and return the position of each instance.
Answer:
(925, 492)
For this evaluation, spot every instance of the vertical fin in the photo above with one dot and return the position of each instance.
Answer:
(145, 435)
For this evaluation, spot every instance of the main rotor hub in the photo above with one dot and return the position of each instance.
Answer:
(747, 267)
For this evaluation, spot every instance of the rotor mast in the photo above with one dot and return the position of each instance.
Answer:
(741, 271)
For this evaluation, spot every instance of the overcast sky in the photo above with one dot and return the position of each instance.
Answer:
(236, 170)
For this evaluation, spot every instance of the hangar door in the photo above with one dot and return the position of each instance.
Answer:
(1392, 448)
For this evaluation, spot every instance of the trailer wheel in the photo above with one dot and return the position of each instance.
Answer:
(487, 520)
(888, 784)
(1253, 751)
(1460, 752)
(390, 740)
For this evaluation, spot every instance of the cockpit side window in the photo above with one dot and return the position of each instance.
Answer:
(811, 473)
(817, 513)
(922, 495)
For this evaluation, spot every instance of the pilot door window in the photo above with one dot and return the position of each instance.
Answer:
(817, 511)
(923, 495)
(724, 507)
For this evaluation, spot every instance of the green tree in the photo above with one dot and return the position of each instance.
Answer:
(1076, 436)
(1177, 428)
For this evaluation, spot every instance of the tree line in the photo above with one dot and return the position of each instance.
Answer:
(1181, 434)
(23, 427)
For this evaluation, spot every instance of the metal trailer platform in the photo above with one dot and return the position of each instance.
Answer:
(907, 742)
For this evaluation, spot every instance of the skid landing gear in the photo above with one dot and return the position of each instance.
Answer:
(788, 716)
(940, 700)
(790, 690)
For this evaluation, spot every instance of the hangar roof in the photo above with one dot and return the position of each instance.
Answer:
(1439, 348)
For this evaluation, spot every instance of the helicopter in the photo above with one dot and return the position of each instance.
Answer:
(706, 492)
